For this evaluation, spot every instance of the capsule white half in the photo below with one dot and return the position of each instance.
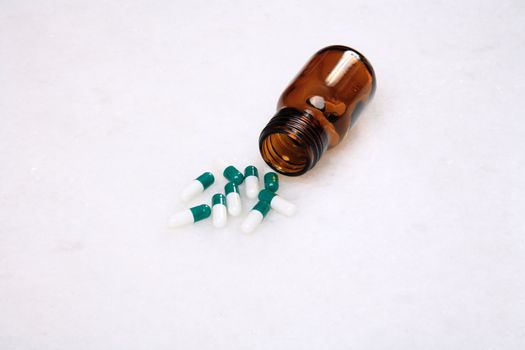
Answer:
(277, 203)
(251, 222)
(182, 218)
(197, 186)
(255, 216)
(251, 184)
(219, 212)
(233, 199)
(251, 181)
(192, 190)
(233, 202)
(282, 206)
(189, 216)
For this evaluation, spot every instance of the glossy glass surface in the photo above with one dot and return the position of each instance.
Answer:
(317, 109)
(333, 87)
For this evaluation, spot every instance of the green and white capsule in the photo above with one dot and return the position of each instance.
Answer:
(232, 174)
(255, 216)
(251, 181)
(219, 212)
(277, 203)
(189, 216)
(271, 181)
(233, 199)
(197, 186)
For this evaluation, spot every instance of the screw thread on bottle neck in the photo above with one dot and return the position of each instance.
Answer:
(292, 142)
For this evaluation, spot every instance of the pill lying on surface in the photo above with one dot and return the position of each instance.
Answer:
(271, 181)
(232, 174)
(233, 199)
(218, 210)
(255, 217)
(277, 203)
(189, 216)
(251, 181)
(197, 186)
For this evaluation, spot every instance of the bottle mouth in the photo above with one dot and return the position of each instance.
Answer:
(292, 142)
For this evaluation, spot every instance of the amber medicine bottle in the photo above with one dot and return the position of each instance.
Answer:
(317, 109)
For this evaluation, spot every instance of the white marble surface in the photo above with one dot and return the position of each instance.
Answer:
(410, 235)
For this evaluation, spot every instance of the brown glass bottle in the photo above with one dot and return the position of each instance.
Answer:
(317, 109)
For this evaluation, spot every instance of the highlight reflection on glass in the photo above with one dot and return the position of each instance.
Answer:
(316, 110)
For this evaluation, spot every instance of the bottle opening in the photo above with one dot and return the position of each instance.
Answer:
(292, 142)
(284, 154)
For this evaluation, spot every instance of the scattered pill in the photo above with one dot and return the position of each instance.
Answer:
(230, 203)
(233, 199)
(218, 210)
(188, 216)
(255, 216)
(278, 203)
(197, 186)
(271, 181)
(233, 175)
(251, 181)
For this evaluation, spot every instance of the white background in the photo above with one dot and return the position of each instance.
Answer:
(410, 234)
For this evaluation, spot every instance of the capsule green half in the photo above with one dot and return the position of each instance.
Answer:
(266, 195)
(262, 207)
(233, 175)
(231, 187)
(218, 198)
(250, 170)
(271, 181)
(206, 179)
(200, 212)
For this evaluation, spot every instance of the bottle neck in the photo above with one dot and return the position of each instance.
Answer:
(292, 142)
